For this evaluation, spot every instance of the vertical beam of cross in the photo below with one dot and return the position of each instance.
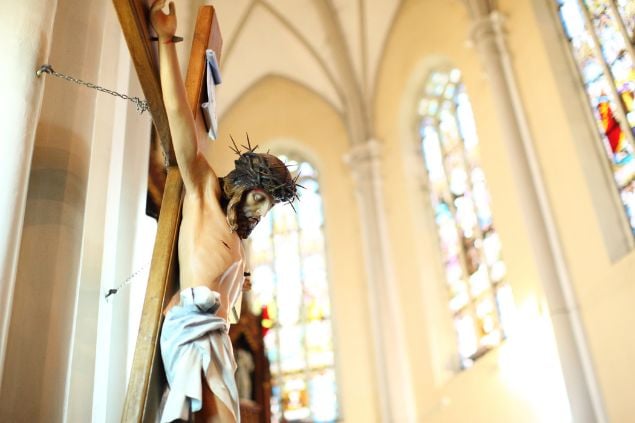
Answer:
(134, 20)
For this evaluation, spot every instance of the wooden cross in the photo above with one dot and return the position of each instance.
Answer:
(147, 378)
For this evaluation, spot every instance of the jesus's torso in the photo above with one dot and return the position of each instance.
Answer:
(210, 254)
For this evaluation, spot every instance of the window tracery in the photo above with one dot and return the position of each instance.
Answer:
(601, 36)
(479, 296)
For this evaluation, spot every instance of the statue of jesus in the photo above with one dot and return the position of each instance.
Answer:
(218, 213)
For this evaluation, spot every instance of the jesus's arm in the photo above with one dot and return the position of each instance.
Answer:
(195, 170)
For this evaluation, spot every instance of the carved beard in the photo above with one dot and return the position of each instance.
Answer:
(236, 218)
(244, 224)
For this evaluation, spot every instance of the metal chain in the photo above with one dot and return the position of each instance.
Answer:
(142, 105)
(128, 281)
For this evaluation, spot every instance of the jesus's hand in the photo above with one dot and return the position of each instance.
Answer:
(163, 24)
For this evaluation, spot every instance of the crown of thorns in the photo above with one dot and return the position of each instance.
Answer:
(255, 170)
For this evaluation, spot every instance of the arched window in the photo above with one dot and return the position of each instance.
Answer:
(479, 298)
(290, 288)
(600, 34)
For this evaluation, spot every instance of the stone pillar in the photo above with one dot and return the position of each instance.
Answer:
(489, 39)
(26, 28)
(395, 393)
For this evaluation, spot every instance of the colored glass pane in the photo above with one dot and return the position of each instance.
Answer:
(488, 327)
(284, 220)
(263, 288)
(295, 400)
(626, 9)
(506, 309)
(319, 344)
(432, 154)
(600, 33)
(466, 124)
(290, 286)
(481, 199)
(469, 245)
(323, 395)
(271, 344)
(467, 338)
(312, 241)
(291, 339)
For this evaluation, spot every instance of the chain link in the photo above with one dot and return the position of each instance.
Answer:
(142, 105)
(128, 281)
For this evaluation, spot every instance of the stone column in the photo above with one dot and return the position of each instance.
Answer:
(395, 393)
(26, 28)
(488, 37)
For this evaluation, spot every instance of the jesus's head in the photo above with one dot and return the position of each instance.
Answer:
(258, 182)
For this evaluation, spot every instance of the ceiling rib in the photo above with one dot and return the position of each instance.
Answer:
(359, 126)
(294, 31)
(239, 28)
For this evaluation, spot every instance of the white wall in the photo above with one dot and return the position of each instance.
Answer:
(85, 196)
(27, 38)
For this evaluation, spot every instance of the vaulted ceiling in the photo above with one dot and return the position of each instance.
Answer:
(333, 47)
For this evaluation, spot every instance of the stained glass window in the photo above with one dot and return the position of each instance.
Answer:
(600, 34)
(479, 297)
(290, 289)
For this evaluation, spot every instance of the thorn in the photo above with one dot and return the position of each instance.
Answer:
(249, 148)
(249, 144)
(235, 148)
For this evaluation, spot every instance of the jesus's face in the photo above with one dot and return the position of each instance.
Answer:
(253, 206)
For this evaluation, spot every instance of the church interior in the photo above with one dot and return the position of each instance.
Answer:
(463, 249)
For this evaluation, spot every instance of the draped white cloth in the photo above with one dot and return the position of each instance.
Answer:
(194, 340)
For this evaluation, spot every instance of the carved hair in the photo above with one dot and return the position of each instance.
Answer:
(256, 171)
(262, 171)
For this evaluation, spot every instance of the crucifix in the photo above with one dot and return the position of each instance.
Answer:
(147, 381)
(206, 269)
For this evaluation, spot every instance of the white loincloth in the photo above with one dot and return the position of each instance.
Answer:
(194, 340)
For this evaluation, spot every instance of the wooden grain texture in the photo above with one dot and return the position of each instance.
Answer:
(161, 283)
(206, 36)
(134, 20)
(147, 378)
